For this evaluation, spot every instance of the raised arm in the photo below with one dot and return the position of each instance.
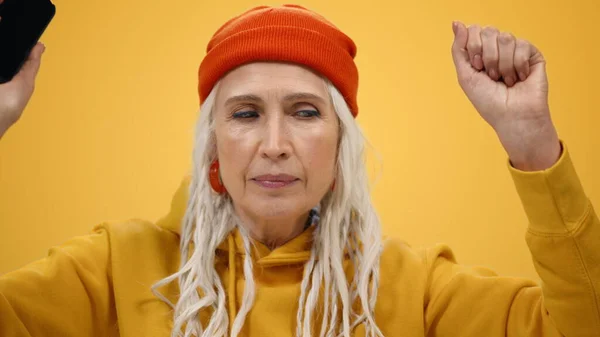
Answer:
(505, 79)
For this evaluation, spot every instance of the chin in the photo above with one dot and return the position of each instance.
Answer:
(277, 208)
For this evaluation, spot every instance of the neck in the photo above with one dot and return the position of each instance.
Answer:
(273, 233)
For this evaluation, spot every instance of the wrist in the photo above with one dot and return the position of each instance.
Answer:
(542, 158)
(536, 149)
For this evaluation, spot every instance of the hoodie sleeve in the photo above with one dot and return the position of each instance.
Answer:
(564, 240)
(68, 293)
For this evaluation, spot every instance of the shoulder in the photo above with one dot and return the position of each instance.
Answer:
(137, 234)
(399, 251)
(405, 273)
(400, 260)
(140, 249)
(432, 268)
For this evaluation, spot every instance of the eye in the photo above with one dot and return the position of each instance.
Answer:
(307, 113)
(245, 114)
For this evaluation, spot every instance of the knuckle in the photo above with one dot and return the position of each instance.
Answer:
(505, 38)
(520, 61)
(522, 43)
(489, 31)
(474, 28)
(473, 46)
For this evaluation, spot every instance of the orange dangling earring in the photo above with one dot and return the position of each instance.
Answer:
(215, 179)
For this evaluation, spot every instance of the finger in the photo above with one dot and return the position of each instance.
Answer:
(489, 42)
(459, 49)
(459, 52)
(32, 65)
(522, 54)
(474, 47)
(506, 55)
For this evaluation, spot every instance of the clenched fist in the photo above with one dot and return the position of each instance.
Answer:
(505, 79)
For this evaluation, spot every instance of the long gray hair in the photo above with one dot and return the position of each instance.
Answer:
(348, 225)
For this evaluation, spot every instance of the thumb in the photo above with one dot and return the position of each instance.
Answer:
(460, 55)
(32, 65)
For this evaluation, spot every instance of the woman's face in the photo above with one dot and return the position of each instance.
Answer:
(277, 136)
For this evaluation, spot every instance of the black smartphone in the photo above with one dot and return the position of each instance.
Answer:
(22, 24)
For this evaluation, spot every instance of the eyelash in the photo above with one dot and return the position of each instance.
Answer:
(252, 114)
(244, 114)
(311, 113)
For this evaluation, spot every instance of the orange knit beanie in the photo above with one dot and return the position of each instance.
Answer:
(288, 33)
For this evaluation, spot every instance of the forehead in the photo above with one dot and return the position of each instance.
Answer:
(270, 78)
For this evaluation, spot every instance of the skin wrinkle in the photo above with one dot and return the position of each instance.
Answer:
(275, 141)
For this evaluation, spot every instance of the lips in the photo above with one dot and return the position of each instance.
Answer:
(275, 180)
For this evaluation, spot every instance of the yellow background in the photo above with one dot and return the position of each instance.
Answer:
(108, 133)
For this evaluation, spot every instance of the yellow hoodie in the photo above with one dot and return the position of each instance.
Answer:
(99, 284)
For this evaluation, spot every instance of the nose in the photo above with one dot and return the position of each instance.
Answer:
(276, 139)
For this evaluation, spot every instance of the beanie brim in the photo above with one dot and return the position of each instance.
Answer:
(282, 44)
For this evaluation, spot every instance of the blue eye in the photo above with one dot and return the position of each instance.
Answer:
(307, 113)
(245, 114)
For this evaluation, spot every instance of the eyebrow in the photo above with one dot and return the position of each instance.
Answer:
(291, 97)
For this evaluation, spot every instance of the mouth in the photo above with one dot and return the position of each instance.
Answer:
(275, 181)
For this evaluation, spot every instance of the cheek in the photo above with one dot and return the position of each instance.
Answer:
(319, 153)
(235, 151)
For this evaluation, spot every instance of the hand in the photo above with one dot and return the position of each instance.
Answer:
(505, 80)
(15, 94)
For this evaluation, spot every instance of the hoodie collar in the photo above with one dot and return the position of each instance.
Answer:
(294, 251)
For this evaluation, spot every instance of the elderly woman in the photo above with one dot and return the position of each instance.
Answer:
(274, 234)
